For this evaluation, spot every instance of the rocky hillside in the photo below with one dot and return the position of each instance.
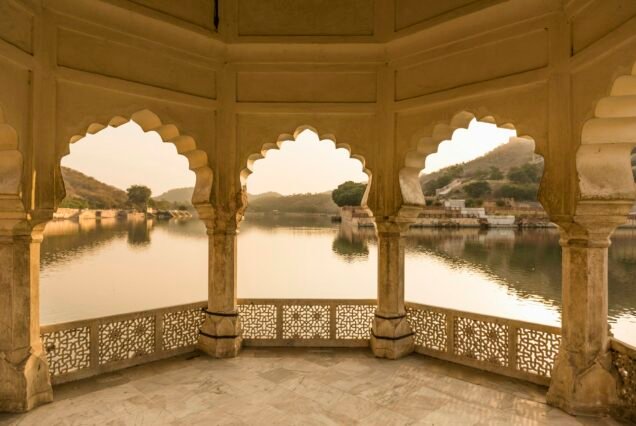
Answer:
(86, 192)
(504, 157)
(510, 171)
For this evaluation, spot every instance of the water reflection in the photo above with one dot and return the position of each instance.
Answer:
(139, 232)
(504, 272)
(352, 243)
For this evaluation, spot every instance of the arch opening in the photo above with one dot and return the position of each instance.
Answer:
(455, 143)
(102, 255)
(292, 237)
(476, 229)
(290, 138)
(184, 144)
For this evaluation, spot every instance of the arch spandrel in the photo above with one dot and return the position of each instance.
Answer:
(82, 108)
(185, 145)
(356, 132)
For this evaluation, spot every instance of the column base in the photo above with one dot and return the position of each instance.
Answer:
(590, 391)
(391, 338)
(24, 384)
(220, 335)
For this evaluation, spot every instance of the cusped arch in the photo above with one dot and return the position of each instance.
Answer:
(603, 158)
(284, 137)
(11, 161)
(427, 144)
(169, 133)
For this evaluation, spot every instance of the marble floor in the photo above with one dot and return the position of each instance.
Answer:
(299, 387)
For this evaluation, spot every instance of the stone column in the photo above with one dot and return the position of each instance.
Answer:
(391, 334)
(24, 374)
(220, 335)
(583, 381)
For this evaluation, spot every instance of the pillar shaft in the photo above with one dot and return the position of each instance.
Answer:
(583, 380)
(24, 374)
(220, 334)
(222, 271)
(392, 336)
(390, 274)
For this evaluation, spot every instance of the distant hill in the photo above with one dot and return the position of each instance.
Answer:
(85, 191)
(268, 201)
(513, 154)
(297, 203)
(177, 195)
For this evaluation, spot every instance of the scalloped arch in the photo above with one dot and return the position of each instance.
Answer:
(284, 137)
(603, 158)
(11, 161)
(185, 145)
(427, 144)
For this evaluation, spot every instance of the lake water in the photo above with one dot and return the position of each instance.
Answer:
(98, 268)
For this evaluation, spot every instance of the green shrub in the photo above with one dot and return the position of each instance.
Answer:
(477, 189)
(528, 173)
(348, 194)
(527, 192)
(495, 173)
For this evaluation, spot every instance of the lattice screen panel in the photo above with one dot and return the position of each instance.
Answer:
(126, 339)
(354, 321)
(68, 350)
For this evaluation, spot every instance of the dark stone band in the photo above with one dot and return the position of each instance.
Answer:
(390, 318)
(221, 314)
(211, 336)
(392, 338)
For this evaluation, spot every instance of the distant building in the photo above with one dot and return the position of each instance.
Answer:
(455, 204)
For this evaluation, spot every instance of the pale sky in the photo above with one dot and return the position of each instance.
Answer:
(126, 156)
(304, 165)
(467, 144)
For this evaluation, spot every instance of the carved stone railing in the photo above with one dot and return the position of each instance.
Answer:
(624, 360)
(512, 348)
(86, 348)
(306, 322)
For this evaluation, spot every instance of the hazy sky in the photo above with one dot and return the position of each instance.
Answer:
(304, 165)
(125, 156)
(468, 144)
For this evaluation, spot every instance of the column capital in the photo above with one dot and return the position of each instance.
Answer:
(399, 222)
(593, 223)
(225, 217)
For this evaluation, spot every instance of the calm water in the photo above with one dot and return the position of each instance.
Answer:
(92, 269)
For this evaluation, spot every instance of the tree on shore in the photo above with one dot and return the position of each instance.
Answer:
(519, 192)
(528, 173)
(138, 197)
(349, 194)
(477, 189)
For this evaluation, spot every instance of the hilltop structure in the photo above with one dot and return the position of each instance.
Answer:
(227, 80)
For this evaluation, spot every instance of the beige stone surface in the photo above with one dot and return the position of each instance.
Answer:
(227, 80)
(391, 334)
(583, 380)
(24, 375)
(300, 386)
